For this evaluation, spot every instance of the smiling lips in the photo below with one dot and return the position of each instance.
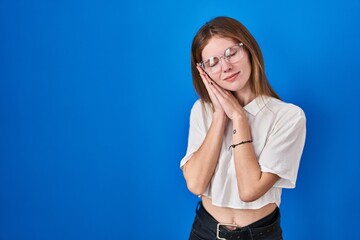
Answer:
(231, 77)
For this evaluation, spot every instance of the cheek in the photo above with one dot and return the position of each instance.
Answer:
(246, 68)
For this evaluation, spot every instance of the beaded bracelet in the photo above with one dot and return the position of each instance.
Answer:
(237, 144)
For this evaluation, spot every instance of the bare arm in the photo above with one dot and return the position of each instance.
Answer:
(252, 182)
(199, 170)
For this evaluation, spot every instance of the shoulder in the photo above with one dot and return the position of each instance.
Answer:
(201, 107)
(284, 109)
(201, 115)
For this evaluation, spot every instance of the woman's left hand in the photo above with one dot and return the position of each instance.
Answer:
(228, 101)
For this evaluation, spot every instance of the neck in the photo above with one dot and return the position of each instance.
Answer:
(244, 97)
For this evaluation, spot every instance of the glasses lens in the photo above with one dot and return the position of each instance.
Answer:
(231, 55)
(212, 64)
(234, 54)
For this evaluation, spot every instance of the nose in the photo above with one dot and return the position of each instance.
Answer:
(225, 65)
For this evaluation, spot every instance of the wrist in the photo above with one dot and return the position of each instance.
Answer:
(240, 123)
(240, 143)
(239, 117)
(241, 131)
(220, 115)
(219, 119)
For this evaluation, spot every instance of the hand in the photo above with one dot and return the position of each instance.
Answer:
(207, 80)
(228, 102)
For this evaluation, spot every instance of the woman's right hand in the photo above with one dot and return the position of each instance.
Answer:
(207, 81)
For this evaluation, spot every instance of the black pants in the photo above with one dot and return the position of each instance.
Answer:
(205, 227)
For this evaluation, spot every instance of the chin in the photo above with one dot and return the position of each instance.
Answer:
(235, 87)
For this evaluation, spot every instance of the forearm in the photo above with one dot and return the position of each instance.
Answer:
(199, 170)
(252, 183)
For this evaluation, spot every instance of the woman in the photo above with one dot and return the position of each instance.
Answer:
(244, 143)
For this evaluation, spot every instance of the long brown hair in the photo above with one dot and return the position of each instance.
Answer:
(232, 29)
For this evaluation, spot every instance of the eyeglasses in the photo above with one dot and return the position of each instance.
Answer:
(231, 55)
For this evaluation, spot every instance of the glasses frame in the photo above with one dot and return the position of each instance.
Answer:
(202, 64)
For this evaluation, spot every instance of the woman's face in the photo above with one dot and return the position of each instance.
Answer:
(231, 67)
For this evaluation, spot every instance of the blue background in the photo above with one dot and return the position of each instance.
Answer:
(94, 106)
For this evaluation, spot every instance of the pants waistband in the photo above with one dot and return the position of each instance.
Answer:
(264, 226)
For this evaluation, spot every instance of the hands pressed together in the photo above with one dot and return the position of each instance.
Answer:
(223, 100)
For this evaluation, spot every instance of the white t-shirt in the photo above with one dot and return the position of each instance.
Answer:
(278, 131)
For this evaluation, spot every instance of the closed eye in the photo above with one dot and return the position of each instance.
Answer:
(231, 52)
(211, 62)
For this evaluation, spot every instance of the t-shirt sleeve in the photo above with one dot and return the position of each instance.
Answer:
(283, 149)
(197, 131)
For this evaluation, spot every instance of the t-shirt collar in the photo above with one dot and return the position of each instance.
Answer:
(256, 105)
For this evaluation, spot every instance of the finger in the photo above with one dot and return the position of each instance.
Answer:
(218, 90)
(225, 98)
(201, 71)
(206, 81)
(221, 90)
